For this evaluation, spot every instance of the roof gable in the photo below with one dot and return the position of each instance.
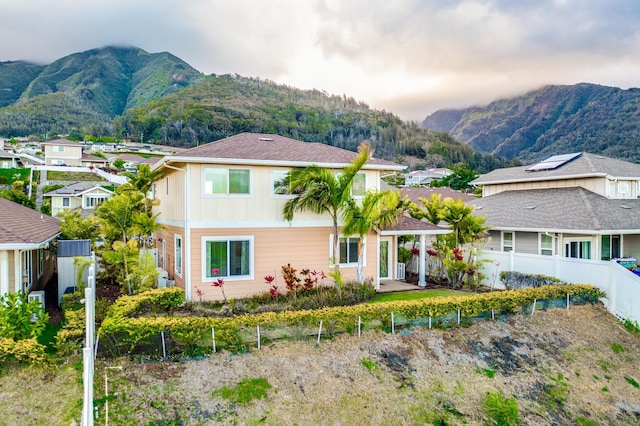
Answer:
(255, 148)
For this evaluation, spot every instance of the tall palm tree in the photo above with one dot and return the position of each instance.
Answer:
(378, 209)
(320, 190)
(141, 181)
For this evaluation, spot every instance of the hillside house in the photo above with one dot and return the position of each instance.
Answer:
(578, 205)
(425, 177)
(86, 196)
(221, 211)
(8, 160)
(63, 152)
(27, 261)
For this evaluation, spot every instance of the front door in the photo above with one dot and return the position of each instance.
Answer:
(385, 259)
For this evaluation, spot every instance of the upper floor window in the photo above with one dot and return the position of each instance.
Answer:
(359, 185)
(58, 148)
(278, 183)
(227, 181)
(65, 201)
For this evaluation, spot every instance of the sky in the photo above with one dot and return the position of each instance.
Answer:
(409, 57)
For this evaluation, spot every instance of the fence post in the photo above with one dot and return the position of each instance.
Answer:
(319, 331)
(258, 328)
(534, 306)
(359, 325)
(164, 347)
(213, 337)
(393, 324)
(567, 301)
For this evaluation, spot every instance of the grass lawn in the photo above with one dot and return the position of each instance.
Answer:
(415, 295)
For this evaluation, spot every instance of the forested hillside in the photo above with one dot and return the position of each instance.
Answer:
(551, 120)
(86, 90)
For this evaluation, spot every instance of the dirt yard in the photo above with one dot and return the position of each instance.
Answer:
(563, 367)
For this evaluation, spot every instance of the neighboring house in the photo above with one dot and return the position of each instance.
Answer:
(8, 160)
(60, 152)
(86, 196)
(27, 261)
(425, 177)
(131, 161)
(221, 212)
(577, 205)
(90, 160)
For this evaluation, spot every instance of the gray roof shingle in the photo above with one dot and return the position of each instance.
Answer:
(559, 209)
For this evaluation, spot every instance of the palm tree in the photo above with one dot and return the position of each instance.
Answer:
(320, 190)
(378, 209)
(141, 181)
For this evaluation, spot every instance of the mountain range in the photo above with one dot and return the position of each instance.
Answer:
(125, 92)
(551, 120)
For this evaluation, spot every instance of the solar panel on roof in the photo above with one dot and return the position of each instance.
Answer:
(553, 162)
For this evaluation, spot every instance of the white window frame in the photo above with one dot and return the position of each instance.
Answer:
(276, 175)
(542, 249)
(40, 262)
(66, 202)
(27, 268)
(349, 264)
(58, 148)
(502, 241)
(99, 199)
(212, 194)
(178, 254)
(580, 244)
(227, 239)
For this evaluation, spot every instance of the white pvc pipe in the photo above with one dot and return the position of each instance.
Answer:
(534, 306)
(359, 326)
(258, 328)
(393, 324)
(164, 347)
(319, 331)
(213, 337)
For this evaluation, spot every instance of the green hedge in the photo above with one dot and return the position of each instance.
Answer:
(125, 326)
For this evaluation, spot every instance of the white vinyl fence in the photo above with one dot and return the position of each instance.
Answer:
(621, 285)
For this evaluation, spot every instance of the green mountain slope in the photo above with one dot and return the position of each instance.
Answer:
(90, 88)
(15, 76)
(551, 120)
(225, 105)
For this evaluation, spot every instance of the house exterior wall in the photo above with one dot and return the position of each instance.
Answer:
(526, 242)
(57, 204)
(71, 156)
(595, 184)
(631, 246)
(169, 191)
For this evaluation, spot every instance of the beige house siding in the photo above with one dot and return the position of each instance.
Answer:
(526, 242)
(71, 156)
(595, 184)
(630, 244)
(169, 191)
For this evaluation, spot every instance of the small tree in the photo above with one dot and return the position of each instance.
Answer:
(19, 318)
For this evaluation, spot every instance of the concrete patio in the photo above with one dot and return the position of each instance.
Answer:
(390, 286)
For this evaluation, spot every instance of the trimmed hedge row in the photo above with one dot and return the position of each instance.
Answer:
(122, 325)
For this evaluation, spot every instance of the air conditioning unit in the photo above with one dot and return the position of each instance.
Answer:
(400, 271)
(171, 283)
(163, 276)
(39, 296)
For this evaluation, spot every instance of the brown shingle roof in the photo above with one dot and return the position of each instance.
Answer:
(22, 225)
(269, 148)
(409, 225)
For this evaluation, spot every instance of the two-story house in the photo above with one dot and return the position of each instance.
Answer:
(577, 205)
(63, 152)
(224, 218)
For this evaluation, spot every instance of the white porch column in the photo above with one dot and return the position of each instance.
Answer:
(421, 267)
(4, 272)
(17, 267)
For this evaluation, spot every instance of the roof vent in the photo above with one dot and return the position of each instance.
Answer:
(265, 139)
(624, 206)
(530, 207)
